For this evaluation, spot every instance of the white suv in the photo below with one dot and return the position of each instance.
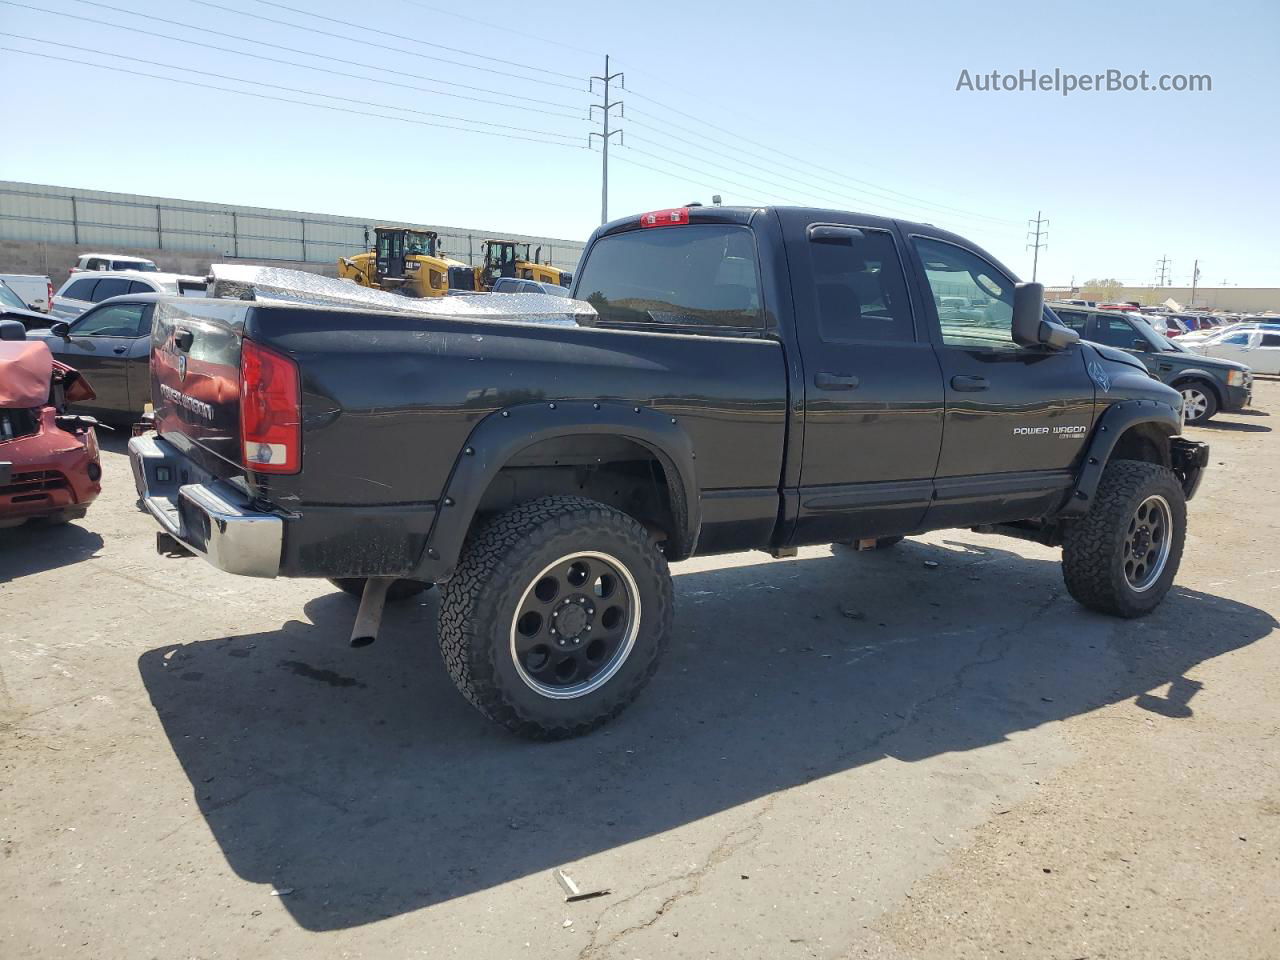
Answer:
(113, 261)
(82, 290)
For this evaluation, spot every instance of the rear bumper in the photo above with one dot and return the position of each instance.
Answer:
(222, 523)
(209, 517)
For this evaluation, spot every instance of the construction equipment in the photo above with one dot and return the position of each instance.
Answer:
(402, 260)
(507, 258)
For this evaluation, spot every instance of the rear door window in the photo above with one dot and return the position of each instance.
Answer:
(81, 289)
(1072, 319)
(700, 277)
(110, 287)
(860, 285)
(140, 286)
(1115, 331)
(1271, 340)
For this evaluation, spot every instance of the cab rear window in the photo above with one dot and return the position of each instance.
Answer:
(695, 278)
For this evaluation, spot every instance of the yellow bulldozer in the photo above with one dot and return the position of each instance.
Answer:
(507, 258)
(403, 261)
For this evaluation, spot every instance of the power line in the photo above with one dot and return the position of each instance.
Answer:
(304, 92)
(1036, 244)
(522, 32)
(383, 46)
(348, 24)
(301, 103)
(202, 29)
(755, 180)
(809, 163)
(305, 53)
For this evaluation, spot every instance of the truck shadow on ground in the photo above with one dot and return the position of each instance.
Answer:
(363, 781)
(39, 545)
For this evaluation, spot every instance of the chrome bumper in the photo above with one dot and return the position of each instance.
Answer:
(209, 517)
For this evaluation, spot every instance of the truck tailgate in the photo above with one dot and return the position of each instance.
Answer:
(195, 379)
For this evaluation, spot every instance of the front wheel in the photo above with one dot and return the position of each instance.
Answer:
(556, 617)
(1199, 402)
(1122, 556)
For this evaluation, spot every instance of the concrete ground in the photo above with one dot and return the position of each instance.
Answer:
(844, 756)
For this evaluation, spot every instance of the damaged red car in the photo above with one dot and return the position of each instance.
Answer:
(49, 464)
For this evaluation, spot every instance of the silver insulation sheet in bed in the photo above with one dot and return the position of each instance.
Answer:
(233, 281)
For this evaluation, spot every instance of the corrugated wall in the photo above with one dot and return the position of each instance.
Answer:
(37, 213)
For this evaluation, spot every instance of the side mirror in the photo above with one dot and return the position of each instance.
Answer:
(12, 330)
(1030, 328)
(60, 328)
(1140, 344)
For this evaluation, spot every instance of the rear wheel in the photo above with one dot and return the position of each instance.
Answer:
(556, 616)
(1199, 401)
(1122, 556)
(400, 590)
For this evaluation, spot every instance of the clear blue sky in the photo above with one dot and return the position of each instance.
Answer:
(859, 98)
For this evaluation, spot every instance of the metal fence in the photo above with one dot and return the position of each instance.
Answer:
(45, 214)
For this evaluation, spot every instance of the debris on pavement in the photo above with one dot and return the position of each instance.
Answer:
(572, 893)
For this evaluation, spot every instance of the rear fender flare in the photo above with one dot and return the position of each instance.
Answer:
(497, 438)
(1111, 426)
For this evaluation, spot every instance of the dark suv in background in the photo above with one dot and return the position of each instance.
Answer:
(1207, 384)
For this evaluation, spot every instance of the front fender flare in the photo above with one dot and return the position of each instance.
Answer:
(1111, 426)
(496, 439)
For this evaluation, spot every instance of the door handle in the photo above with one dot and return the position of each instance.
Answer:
(835, 381)
(119, 349)
(969, 384)
(1166, 366)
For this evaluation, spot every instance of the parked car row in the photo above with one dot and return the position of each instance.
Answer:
(1207, 385)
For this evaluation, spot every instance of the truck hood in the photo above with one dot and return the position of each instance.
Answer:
(1118, 356)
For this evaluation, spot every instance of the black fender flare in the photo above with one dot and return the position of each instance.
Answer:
(1110, 427)
(496, 439)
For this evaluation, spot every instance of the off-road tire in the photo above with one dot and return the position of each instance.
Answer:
(1093, 546)
(1205, 390)
(498, 565)
(400, 590)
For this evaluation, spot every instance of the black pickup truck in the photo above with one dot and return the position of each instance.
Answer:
(751, 379)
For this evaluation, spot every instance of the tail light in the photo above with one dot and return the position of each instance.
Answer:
(48, 300)
(270, 410)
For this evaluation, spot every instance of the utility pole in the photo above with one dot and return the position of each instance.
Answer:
(1039, 231)
(605, 109)
(1163, 265)
(1195, 280)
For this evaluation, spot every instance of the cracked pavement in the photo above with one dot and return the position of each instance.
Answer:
(843, 756)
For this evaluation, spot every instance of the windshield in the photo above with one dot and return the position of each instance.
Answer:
(419, 245)
(9, 298)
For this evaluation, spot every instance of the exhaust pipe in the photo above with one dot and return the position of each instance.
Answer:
(369, 616)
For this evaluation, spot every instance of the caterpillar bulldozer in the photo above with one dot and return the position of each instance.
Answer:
(403, 261)
(507, 258)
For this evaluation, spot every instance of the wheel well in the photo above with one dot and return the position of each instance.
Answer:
(1194, 378)
(1143, 441)
(613, 470)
